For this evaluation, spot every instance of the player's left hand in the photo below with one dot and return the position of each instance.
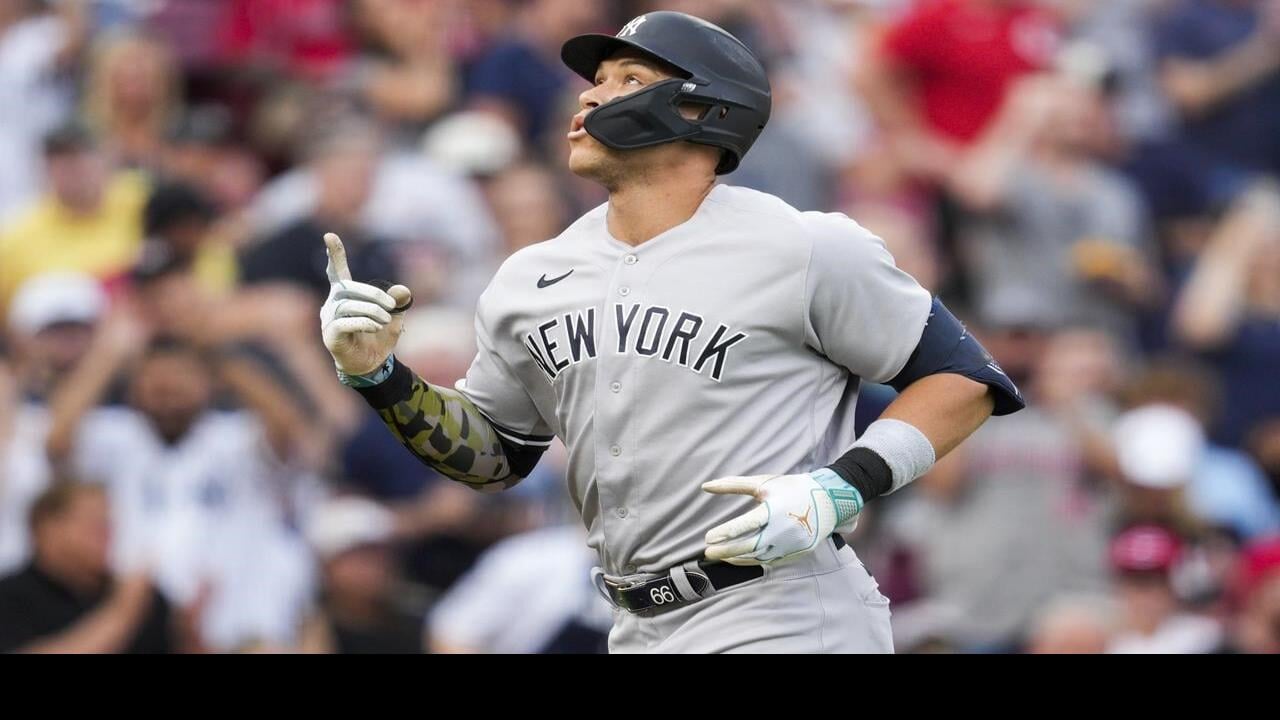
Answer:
(795, 513)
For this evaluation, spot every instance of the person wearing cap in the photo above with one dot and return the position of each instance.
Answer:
(89, 220)
(1158, 448)
(49, 324)
(49, 328)
(358, 611)
(1143, 561)
(1225, 487)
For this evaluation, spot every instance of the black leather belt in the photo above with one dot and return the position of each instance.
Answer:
(685, 583)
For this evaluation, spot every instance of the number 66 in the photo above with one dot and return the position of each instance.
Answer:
(662, 595)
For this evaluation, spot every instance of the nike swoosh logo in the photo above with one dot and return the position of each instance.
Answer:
(544, 282)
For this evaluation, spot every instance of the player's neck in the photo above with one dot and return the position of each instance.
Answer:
(643, 211)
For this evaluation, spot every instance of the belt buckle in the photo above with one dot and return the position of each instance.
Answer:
(619, 591)
(631, 585)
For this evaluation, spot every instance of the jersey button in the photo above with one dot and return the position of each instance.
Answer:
(624, 291)
(616, 387)
(630, 569)
(615, 451)
(621, 512)
(630, 259)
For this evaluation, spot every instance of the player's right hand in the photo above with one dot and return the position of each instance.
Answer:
(358, 321)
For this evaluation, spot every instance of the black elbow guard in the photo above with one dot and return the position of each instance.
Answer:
(946, 347)
(521, 458)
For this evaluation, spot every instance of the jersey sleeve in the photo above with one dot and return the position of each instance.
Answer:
(493, 386)
(862, 312)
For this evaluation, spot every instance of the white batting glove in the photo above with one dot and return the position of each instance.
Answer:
(795, 513)
(358, 321)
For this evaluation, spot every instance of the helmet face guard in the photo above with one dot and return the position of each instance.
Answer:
(724, 80)
(642, 119)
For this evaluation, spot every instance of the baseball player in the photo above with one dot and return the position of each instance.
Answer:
(698, 349)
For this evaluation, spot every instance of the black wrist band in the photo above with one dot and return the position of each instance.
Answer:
(397, 387)
(866, 471)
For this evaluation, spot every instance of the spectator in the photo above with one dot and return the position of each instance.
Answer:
(359, 612)
(90, 221)
(1228, 310)
(520, 77)
(1257, 628)
(1027, 492)
(472, 143)
(1220, 67)
(1121, 33)
(546, 574)
(1226, 488)
(436, 218)
(35, 93)
(926, 91)
(1158, 449)
(171, 300)
(50, 325)
(67, 600)
(1142, 560)
(344, 164)
(1053, 232)
(201, 151)
(132, 97)
(408, 78)
(1073, 625)
(180, 218)
(526, 205)
(181, 474)
(308, 39)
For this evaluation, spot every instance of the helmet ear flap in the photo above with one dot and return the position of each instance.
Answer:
(693, 110)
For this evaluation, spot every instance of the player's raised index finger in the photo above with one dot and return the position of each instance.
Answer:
(337, 269)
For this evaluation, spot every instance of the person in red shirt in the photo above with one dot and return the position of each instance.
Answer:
(939, 74)
(306, 38)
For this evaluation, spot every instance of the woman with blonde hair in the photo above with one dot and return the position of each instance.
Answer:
(132, 95)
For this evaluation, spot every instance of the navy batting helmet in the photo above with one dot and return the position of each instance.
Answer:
(717, 71)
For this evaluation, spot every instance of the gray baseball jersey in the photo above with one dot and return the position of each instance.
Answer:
(731, 344)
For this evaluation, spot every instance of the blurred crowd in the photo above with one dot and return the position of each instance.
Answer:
(1092, 185)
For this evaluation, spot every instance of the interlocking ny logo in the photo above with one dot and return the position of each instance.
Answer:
(630, 28)
(803, 520)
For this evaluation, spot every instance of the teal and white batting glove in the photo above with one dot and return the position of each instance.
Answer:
(359, 322)
(796, 512)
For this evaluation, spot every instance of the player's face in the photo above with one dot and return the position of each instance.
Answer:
(621, 74)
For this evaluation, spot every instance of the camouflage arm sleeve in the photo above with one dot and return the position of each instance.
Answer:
(445, 430)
